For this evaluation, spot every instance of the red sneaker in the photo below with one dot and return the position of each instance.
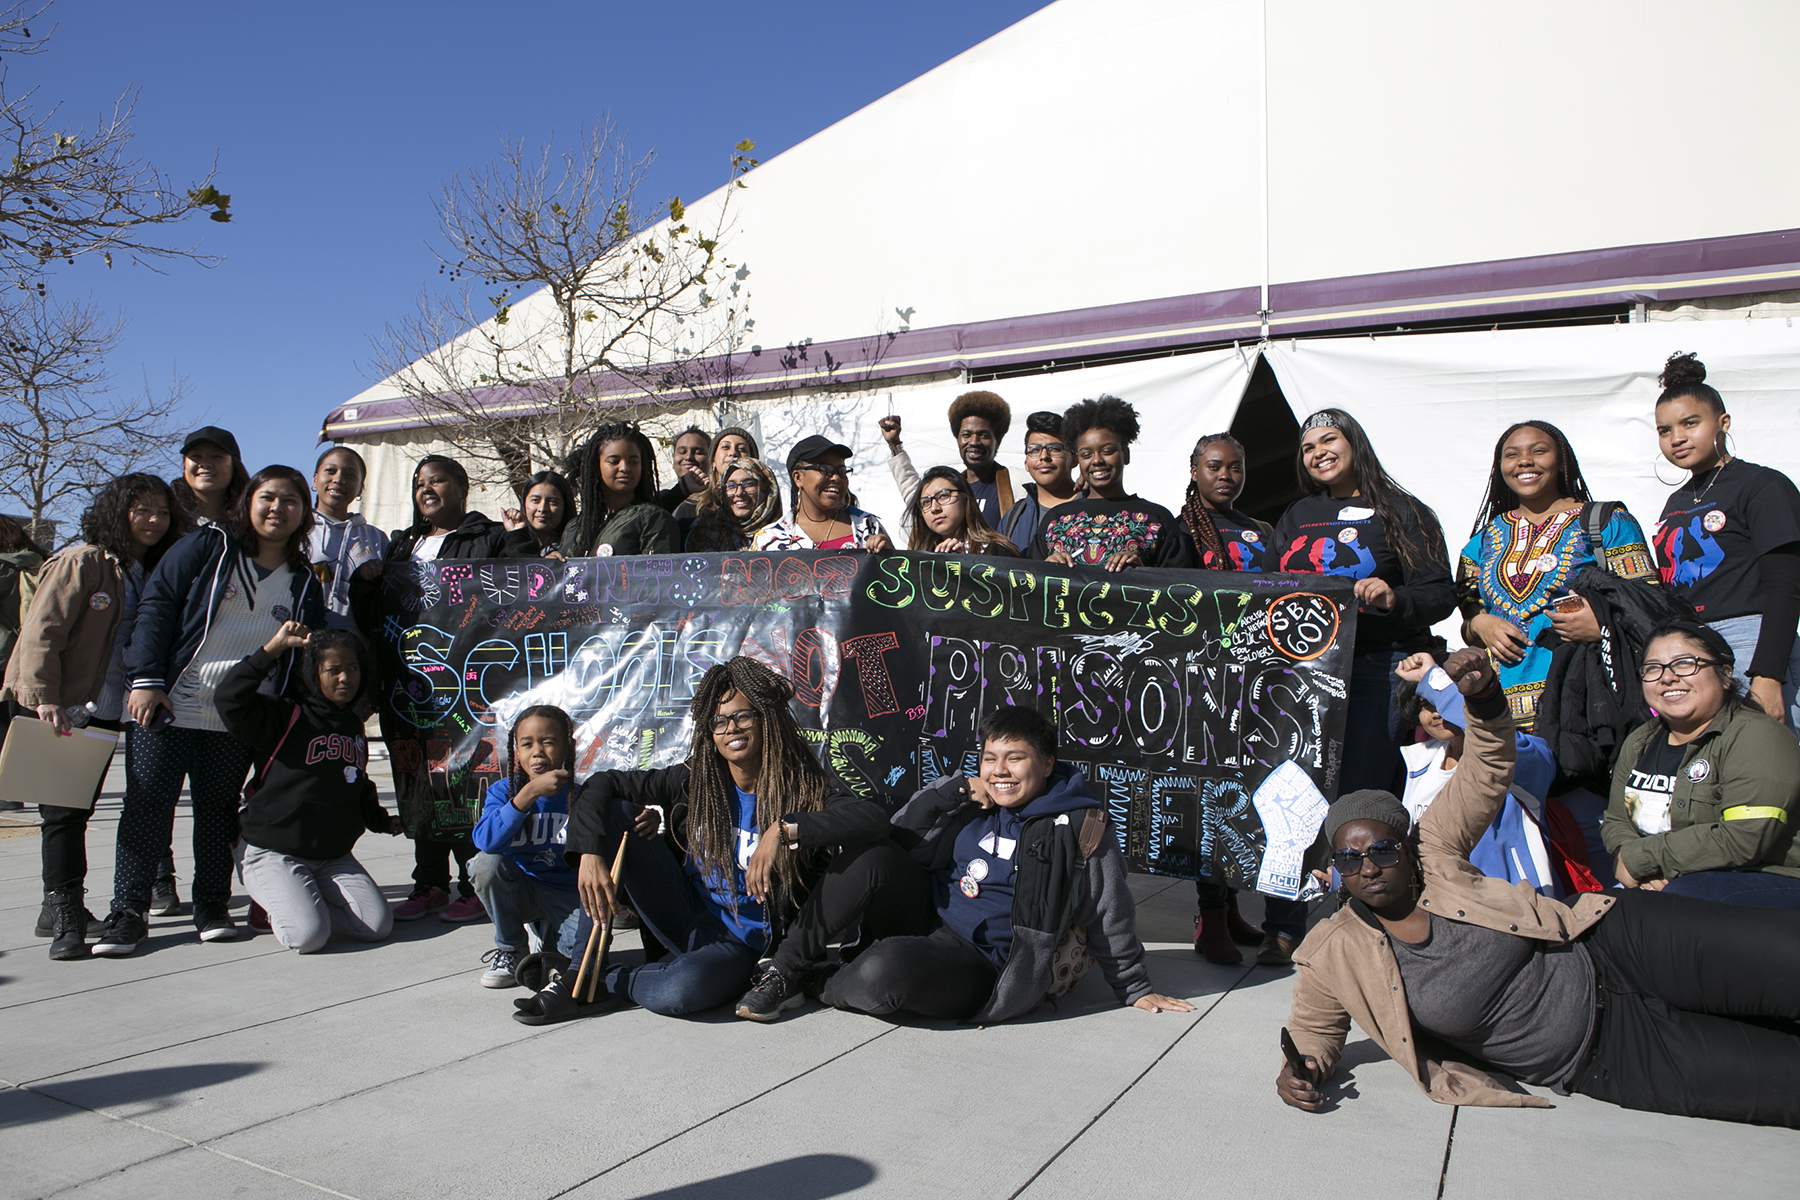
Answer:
(463, 910)
(258, 918)
(421, 902)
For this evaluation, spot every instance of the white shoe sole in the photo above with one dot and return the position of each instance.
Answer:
(228, 934)
(493, 980)
(114, 949)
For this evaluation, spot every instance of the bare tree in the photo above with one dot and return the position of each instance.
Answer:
(597, 295)
(62, 432)
(66, 192)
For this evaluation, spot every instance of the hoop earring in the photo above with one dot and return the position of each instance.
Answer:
(1656, 470)
(1725, 450)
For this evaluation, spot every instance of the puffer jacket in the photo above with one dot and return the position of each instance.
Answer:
(1736, 793)
(1345, 969)
(1095, 893)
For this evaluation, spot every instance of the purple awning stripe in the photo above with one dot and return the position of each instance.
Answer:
(1628, 274)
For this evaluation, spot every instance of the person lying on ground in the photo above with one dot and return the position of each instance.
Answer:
(1704, 793)
(1023, 871)
(770, 861)
(520, 873)
(310, 796)
(1638, 998)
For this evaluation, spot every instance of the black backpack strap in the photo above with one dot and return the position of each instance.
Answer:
(1596, 515)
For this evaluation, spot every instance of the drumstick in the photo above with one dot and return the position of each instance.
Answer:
(599, 937)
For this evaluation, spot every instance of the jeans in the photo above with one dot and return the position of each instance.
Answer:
(1689, 986)
(1372, 726)
(1588, 807)
(215, 765)
(940, 975)
(709, 967)
(431, 862)
(513, 899)
(1740, 633)
(306, 898)
(1764, 889)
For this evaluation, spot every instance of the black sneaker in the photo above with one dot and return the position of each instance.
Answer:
(70, 934)
(771, 994)
(214, 923)
(120, 933)
(164, 900)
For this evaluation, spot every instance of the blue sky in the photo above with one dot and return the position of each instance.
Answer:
(333, 125)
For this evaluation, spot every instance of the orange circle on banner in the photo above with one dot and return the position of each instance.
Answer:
(1301, 616)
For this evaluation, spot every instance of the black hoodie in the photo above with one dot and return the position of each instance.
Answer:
(310, 794)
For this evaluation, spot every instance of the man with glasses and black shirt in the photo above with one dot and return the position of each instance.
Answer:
(1052, 470)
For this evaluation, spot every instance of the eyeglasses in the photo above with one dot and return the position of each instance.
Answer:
(939, 499)
(827, 470)
(1046, 450)
(1687, 664)
(743, 485)
(734, 722)
(1384, 854)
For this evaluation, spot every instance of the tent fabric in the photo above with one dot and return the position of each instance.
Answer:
(1434, 404)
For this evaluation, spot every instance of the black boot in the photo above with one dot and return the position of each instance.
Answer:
(69, 936)
(46, 923)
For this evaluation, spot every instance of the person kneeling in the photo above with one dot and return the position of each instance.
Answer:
(1644, 999)
(520, 873)
(310, 796)
(1020, 859)
(759, 820)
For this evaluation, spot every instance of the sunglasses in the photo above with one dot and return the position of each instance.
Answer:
(1384, 854)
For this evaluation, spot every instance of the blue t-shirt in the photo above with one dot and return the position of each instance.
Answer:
(986, 855)
(746, 924)
(534, 839)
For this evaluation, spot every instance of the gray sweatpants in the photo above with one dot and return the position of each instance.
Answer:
(306, 898)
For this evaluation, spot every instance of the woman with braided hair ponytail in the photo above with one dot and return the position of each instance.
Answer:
(615, 481)
(1223, 538)
(766, 857)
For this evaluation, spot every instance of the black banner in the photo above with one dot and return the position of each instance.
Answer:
(1206, 708)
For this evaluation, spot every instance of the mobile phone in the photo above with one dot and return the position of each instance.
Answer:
(1296, 1060)
(1568, 602)
(163, 715)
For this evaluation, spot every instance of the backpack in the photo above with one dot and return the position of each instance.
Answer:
(1053, 858)
(13, 569)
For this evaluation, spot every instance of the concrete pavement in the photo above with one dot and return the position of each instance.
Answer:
(191, 1070)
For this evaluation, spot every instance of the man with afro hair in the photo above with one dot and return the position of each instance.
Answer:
(1109, 527)
(978, 421)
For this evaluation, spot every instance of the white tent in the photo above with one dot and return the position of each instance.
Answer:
(1104, 180)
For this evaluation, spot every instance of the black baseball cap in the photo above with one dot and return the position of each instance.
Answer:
(219, 437)
(812, 447)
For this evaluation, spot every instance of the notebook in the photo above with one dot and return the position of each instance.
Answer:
(38, 767)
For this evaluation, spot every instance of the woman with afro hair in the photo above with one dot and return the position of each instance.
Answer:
(1109, 527)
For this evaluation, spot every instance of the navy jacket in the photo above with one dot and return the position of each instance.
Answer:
(179, 601)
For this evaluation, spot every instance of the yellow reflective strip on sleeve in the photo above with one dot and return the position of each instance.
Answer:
(1753, 812)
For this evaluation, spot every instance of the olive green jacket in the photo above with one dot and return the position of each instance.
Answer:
(1734, 803)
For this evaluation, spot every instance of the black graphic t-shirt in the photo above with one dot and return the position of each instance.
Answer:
(1710, 537)
(1651, 786)
(1091, 530)
(1245, 542)
(1319, 535)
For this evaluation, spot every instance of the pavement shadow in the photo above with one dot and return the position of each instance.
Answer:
(1342, 1085)
(807, 1177)
(156, 1086)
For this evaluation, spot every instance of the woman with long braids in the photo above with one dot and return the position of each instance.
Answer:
(775, 861)
(70, 659)
(944, 517)
(1358, 523)
(1224, 539)
(1728, 541)
(218, 594)
(443, 529)
(1640, 998)
(615, 476)
(742, 498)
(1531, 535)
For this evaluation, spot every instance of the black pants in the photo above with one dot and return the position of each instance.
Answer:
(1690, 985)
(156, 761)
(65, 831)
(431, 862)
(877, 888)
(939, 975)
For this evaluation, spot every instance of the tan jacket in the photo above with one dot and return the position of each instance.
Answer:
(66, 639)
(1345, 970)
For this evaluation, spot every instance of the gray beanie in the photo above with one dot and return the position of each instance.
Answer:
(1369, 804)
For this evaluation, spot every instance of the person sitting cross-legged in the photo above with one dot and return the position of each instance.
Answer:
(1020, 859)
(775, 861)
(1644, 999)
